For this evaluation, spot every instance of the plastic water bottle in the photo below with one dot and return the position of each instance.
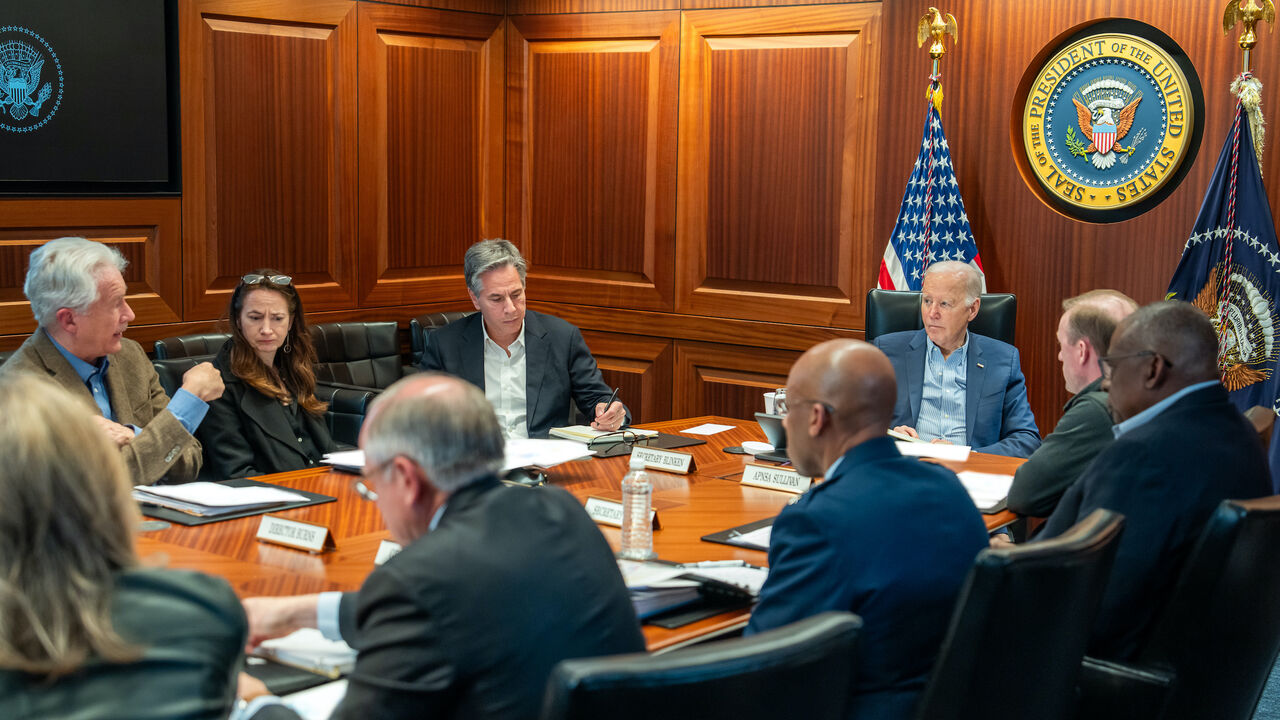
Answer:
(637, 499)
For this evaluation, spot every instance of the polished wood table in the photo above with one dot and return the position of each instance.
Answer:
(689, 506)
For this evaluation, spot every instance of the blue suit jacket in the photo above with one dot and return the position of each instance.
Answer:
(891, 539)
(1166, 477)
(558, 366)
(997, 417)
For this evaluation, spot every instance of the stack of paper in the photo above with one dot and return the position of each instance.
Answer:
(309, 650)
(657, 587)
(988, 490)
(586, 433)
(207, 499)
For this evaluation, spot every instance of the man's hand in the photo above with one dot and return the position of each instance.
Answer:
(204, 381)
(611, 419)
(907, 430)
(941, 441)
(249, 687)
(118, 434)
(1001, 540)
(271, 617)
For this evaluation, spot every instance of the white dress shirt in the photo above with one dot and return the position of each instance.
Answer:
(504, 383)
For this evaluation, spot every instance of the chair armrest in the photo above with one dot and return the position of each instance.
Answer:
(1122, 691)
(346, 394)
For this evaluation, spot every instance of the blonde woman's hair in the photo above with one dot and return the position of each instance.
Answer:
(67, 522)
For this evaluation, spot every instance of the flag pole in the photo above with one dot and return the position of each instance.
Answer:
(936, 25)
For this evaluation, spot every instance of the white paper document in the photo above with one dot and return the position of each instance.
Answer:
(758, 538)
(586, 433)
(987, 489)
(208, 499)
(317, 703)
(309, 650)
(520, 453)
(707, 429)
(942, 451)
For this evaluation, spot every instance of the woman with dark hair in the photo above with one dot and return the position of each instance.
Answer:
(268, 419)
(85, 630)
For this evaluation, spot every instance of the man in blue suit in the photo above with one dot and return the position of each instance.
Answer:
(887, 537)
(955, 386)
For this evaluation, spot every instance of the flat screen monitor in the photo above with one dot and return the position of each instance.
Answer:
(88, 97)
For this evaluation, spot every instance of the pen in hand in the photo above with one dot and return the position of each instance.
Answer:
(608, 404)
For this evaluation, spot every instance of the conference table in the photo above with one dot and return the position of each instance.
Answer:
(707, 499)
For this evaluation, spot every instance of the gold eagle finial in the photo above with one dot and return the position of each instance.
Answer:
(1249, 13)
(936, 25)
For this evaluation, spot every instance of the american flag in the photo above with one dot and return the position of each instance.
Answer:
(932, 225)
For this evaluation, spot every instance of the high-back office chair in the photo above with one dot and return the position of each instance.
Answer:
(1214, 643)
(1020, 627)
(421, 328)
(896, 310)
(801, 670)
(201, 344)
(364, 354)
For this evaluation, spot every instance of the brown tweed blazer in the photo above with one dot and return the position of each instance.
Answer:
(164, 448)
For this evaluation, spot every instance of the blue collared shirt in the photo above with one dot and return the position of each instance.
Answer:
(189, 409)
(942, 400)
(1150, 413)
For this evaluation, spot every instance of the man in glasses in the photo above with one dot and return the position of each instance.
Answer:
(955, 386)
(530, 365)
(886, 537)
(1084, 333)
(77, 295)
(1181, 448)
(494, 586)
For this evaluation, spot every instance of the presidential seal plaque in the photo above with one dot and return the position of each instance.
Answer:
(1111, 122)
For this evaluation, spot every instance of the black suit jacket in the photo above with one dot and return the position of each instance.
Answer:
(189, 629)
(1167, 477)
(247, 433)
(558, 366)
(468, 620)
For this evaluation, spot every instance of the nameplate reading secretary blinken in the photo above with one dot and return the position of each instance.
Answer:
(672, 461)
(295, 534)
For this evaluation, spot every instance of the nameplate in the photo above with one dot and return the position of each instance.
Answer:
(672, 461)
(775, 478)
(294, 534)
(609, 512)
(386, 551)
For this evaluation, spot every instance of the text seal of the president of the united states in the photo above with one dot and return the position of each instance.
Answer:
(1107, 122)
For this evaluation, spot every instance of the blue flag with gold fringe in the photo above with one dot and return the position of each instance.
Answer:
(1230, 269)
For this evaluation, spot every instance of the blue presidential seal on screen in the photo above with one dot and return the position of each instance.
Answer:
(1108, 122)
(30, 80)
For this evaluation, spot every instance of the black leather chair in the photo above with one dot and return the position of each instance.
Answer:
(171, 370)
(1021, 625)
(365, 354)
(896, 310)
(801, 670)
(1214, 642)
(189, 345)
(421, 328)
(348, 406)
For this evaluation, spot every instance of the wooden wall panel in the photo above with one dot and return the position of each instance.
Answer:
(591, 115)
(715, 379)
(1027, 247)
(146, 231)
(269, 147)
(492, 7)
(776, 136)
(641, 369)
(431, 148)
(530, 7)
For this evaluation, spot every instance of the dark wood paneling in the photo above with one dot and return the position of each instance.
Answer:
(725, 4)
(431, 148)
(1027, 247)
(640, 367)
(530, 7)
(591, 162)
(776, 138)
(146, 231)
(714, 379)
(269, 147)
(492, 7)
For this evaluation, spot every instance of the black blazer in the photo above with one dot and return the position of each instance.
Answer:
(558, 366)
(1166, 477)
(247, 433)
(468, 620)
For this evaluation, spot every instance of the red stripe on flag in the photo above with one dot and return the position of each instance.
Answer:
(886, 282)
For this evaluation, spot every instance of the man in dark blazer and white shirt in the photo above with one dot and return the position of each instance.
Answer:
(955, 386)
(495, 585)
(884, 536)
(529, 365)
(1181, 448)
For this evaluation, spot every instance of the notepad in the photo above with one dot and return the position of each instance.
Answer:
(309, 650)
(988, 490)
(586, 433)
(209, 499)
